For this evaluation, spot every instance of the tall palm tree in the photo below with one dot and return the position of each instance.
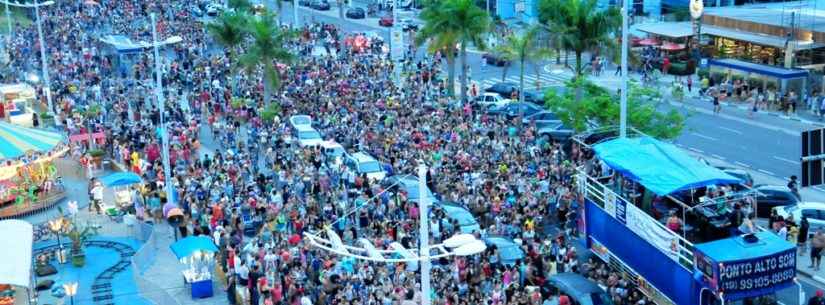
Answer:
(229, 32)
(450, 23)
(582, 26)
(522, 47)
(240, 5)
(267, 48)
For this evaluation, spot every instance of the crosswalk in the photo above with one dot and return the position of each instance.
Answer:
(544, 79)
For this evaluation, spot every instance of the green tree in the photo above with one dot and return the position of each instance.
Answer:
(598, 105)
(523, 48)
(243, 6)
(267, 48)
(580, 25)
(229, 31)
(450, 23)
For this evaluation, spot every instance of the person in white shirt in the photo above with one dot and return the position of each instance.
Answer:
(97, 197)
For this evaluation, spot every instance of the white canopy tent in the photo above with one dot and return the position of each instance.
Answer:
(16, 257)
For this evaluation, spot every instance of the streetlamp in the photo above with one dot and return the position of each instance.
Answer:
(71, 290)
(457, 245)
(56, 226)
(44, 61)
(696, 8)
(623, 102)
(167, 172)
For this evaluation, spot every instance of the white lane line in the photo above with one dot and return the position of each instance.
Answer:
(696, 150)
(741, 164)
(786, 160)
(731, 130)
(531, 78)
(766, 172)
(703, 136)
(512, 79)
(819, 188)
(718, 156)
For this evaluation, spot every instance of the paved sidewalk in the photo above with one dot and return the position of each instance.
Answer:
(803, 263)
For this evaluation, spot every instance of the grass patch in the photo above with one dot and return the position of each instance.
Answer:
(18, 18)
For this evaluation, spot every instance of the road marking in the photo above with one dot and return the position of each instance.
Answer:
(703, 136)
(789, 132)
(718, 156)
(786, 160)
(766, 172)
(742, 164)
(530, 77)
(731, 130)
(696, 150)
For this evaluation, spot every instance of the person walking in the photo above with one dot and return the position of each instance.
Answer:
(717, 105)
(817, 244)
(793, 186)
(818, 298)
(802, 238)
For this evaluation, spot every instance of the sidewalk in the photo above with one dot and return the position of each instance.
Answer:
(802, 266)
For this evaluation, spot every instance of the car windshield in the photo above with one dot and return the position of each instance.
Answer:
(335, 151)
(301, 120)
(369, 167)
(309, 135)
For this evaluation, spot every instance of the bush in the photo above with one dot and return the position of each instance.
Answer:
(269, 113)
(96, 153)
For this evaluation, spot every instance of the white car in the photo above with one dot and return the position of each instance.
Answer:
(300, 120)
(815, 211)
(334, 152)
(307, 136)
(363, 163)
(491, 100)
(213, 9)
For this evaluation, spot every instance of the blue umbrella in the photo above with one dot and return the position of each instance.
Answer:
(508, 250)
(465, 219)
(121, 179)
(185, 247)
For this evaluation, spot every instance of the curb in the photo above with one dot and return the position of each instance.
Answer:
(820, 280)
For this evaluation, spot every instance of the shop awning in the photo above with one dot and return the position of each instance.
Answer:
(757, 38)
(774, 71)
(16, 256)
(16, 140)
(667, 29)
(185, 247)
(675, 170)
(121, 179)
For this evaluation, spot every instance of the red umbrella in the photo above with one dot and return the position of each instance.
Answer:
(669, 46)
(294, 239)
(648, 42)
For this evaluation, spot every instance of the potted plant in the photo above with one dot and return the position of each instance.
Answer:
(97, 156)
(46, 119)
(79, 235)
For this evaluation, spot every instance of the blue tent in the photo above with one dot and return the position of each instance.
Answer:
(121, 179)
(185, 247)
(675, 170)
(465, 219)
(508, 250)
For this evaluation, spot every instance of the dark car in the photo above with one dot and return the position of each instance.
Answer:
(580, 290)
(408, 25)
(495, 60)
(512, 110)
(557, 132)
(321, 5)
(504, 89)
(356, 13)
(385, 20)
(542, 119)
(771, 196)
(408, 184)
(534, 96)
(304, 2)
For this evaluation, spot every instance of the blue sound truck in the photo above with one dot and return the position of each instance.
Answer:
(633, 188)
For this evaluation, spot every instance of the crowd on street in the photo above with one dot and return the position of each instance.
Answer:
(253, 187)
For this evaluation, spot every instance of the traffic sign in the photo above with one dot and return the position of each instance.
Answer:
(813, 153)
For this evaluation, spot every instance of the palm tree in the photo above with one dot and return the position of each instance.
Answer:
(228, 31)
(522, 47)
(265, 50)
(581, 25)
(450, 23)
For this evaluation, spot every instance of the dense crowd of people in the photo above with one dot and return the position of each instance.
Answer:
(247, 182)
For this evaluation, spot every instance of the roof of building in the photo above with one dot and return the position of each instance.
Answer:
(775, 71)
(808, 15)
(684, 29)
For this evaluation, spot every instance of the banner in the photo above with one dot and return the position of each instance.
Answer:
(653, 232)
(749, 277)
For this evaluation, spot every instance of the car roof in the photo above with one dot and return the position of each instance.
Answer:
(363, 157)
(330, 144)
(573, 283)
(769, 187)
(305, 128)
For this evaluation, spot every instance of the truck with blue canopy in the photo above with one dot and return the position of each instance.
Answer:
(669, 223)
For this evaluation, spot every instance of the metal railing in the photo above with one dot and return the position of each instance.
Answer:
(142, 260)
(597, 192)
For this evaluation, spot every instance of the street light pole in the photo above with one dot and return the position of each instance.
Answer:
(623, 102)
(8, 20)
(424, 233)
(46, 80)
(167, 172)
(295, 14)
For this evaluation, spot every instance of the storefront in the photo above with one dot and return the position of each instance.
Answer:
(770, 77)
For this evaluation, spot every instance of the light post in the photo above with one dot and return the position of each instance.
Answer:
(457, 245)
(47, 84)
(56, 226)
(623, 103)
(696, 8)
(167, 173)
(71, 291)
(295, 14)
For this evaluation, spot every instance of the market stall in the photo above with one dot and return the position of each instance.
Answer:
(197, 253)
(17, 103)
(121, 184)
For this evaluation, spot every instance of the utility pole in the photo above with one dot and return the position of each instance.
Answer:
(623, 103)
(167, 171)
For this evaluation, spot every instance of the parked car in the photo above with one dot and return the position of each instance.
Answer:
(814, 211)
(495, 60)
(300, 120)
(556, 131)
(408, 25)
(580, 290)
(504, 89)
(356, 13)
(542, 119)
(771, 196)
(333, 152)
(534, 96)
(487, 100)
(409, 184)
(304, 2)
(514, 109)
(386, 20)
(213, 9)
(321, 5)
(362, 163)
(308, 136)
